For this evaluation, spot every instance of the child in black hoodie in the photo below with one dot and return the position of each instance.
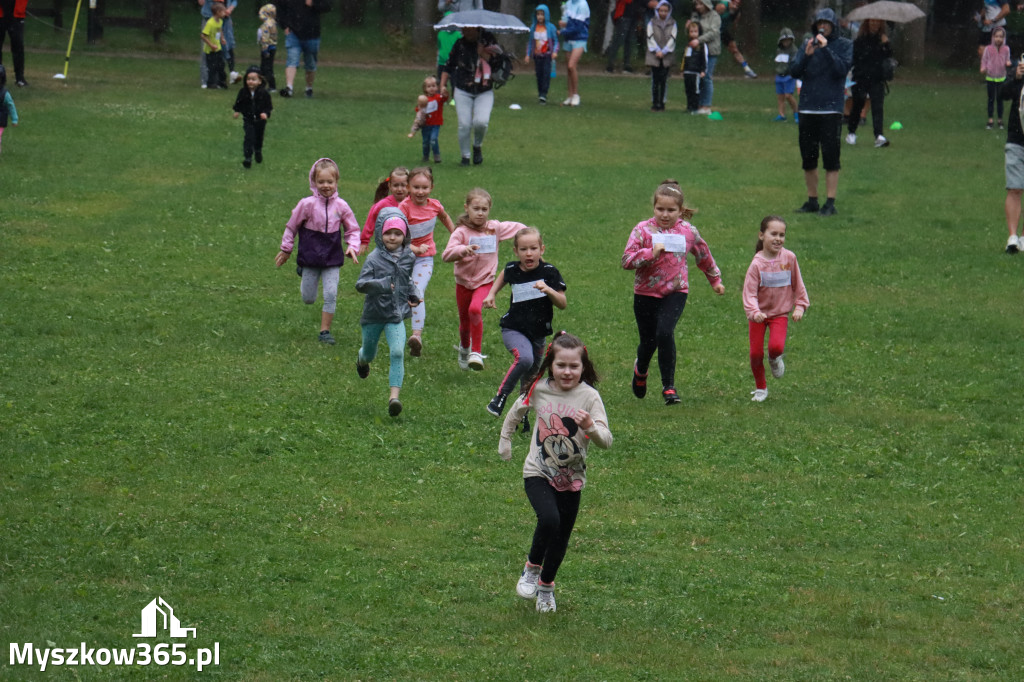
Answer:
(253, 103)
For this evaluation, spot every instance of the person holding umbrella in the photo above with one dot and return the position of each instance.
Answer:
(469, 70)
(870, 50)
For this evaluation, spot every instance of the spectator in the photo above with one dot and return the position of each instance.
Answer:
(993, 14)
(1014, 157)
(575, 25)
(628, 14)
(459, 5)
(729, 11)
(870, 50)
(469, 71)
(710, 35)
(301, 22)
(12, 23)
(822, 64)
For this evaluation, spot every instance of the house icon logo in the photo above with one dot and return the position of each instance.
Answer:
(159, 613)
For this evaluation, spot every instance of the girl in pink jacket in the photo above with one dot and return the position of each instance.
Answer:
(657, 250)
(995, 60)
(473, 247)
(773, 287)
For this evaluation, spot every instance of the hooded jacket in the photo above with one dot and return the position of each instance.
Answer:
(782, 64)
(661, 35)
(318, 221)
(824, 71)
(266, 34)
(251, 103)
(710, 28)
(386, 277)
(552, 32)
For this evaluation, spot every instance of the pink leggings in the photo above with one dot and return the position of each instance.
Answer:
(471, 319)
(776, 328)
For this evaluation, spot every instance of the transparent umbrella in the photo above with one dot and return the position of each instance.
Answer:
(887, 10)
(495, 22)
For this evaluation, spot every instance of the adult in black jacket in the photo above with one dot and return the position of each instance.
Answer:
(870, 50)
(300, 20)
(468, 68)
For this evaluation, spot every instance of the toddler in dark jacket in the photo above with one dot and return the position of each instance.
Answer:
(254, 106)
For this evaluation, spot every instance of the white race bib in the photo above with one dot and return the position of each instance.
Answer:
(782, 58)
(674, 243)
(423, 229)
(488, 243)
(527, 291)
(772, 280)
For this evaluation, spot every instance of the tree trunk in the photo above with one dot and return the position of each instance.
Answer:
(912, 35)
(393, 12)
(514, 43)
(423, 13)
(749, 34)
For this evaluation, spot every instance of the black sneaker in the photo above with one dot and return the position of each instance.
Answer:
(362, 369)
(465, 161)
(259, 157)
(394, 407)
(639, 383)
(828, 209)
(247, 163)
(809, 207)
(286, 92)
(309, 95)
(670, 396)
(525, 423)
(325, 337)
(497, 405)
(478, 156)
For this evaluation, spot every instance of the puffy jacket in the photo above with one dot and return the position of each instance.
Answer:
(386, 277)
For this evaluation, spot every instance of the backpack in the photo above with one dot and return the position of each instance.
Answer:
(501, 69)
(889, 69)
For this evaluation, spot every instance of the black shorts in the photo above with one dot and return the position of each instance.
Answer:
(820, 132)
(727, 37)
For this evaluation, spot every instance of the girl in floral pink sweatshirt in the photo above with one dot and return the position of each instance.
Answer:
(657, 250)
(473, 247)
(995, 60)
(773, 287)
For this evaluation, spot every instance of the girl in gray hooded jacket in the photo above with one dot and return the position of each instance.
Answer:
(386, 280)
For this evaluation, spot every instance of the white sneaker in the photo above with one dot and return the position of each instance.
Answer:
(235, 77)
(851, 138)
(1012, 244)
(880, 141)
(527, 585)
(759, 395)
(567, 102)
(463, 357)
(704, 111)
(545, 598)
(476, 362)
(778, 366)
(575, 100)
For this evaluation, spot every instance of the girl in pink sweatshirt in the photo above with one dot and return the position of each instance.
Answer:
(473, 247)
(995, 60)
(773, 287)
(657, 249)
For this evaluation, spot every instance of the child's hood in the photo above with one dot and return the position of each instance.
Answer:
(312, 179)
(378, 229)
(1001, 31)
(268, 11)
(547, 14)
(786, 34)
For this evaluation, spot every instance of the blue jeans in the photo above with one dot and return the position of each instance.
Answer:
(430, 134)
(707, 86)
(394, 332)
(542, 67)
(307, 49)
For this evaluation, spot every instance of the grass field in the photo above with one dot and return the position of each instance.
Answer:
(169, 425)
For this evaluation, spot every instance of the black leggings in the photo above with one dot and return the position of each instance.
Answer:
(860, 93)
(556, 515)
(656, 320)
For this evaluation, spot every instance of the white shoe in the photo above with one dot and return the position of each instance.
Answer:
(476, 362)
(575, 100)
(567, 102)
(527, 585)
(880, 141)
(546, 598)
(463, 357)
(1012, 244)
(704, 111)
(759, 395)
(235, 77)
(851, 138)
(778, 366)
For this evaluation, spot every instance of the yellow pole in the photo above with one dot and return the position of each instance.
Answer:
(67, 57)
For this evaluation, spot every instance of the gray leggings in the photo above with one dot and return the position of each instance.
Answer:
(311, 278)
(527, 355)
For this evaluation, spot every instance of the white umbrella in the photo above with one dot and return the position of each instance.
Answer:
(887, 10)
(495, 22)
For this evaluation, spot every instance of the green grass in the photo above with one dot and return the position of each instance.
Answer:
(169, 425)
